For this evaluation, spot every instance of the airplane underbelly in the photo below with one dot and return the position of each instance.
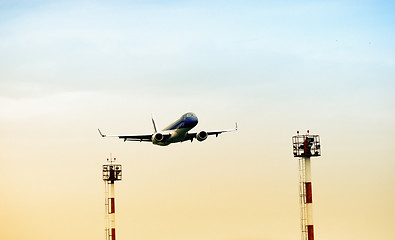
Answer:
(178, 135)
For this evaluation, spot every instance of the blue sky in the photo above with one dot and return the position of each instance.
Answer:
(186, 42)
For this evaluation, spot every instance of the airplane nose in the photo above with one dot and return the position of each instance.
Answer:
(191, 121)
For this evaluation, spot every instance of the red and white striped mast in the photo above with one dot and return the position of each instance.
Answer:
(111, 173)
(305, 147)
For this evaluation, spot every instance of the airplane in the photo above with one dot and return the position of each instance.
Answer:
(178, 131)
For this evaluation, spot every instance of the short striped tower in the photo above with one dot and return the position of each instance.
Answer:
(305, 147)
(111, 173)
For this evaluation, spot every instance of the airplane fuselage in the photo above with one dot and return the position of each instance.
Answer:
(177, 131)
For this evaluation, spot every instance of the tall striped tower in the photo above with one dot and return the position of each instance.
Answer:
(305, 147)
(111, 173)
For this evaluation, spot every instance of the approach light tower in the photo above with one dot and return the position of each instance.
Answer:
(111, 173)
(305, 147)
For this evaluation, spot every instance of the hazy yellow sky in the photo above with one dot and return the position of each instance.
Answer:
(68, 68)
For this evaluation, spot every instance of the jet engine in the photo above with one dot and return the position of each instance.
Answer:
(158, 137)
(201, 136)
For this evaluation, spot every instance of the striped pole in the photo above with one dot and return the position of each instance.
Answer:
(308, 200)
(111, 173)
(305, 147)
(111, 211)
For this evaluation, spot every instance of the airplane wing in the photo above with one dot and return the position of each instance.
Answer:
(192, 135)
(132, 137)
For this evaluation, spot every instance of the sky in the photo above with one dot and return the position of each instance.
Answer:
(70, 67)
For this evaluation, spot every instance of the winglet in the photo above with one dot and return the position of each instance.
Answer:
(101, 134)
(236, 126)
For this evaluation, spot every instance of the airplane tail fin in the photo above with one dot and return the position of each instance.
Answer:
(153, 122)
